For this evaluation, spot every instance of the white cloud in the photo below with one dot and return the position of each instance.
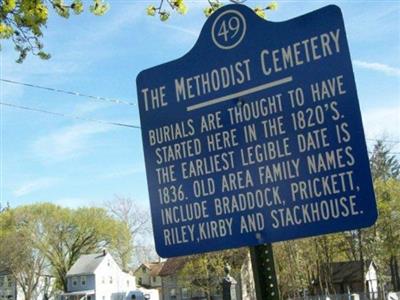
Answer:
(68, 142)
(74, 202)
(124, 172)
(7, 71)
(375, 66)
(34, 185)
(383, 122)
(194, 33)
(89, 107)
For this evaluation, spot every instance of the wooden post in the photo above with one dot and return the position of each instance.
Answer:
(262, 262)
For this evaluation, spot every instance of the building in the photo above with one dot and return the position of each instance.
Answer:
(348, 277)
(8, 286)
(147, 275)
(170, 286)
(97, 277)
(10, 290)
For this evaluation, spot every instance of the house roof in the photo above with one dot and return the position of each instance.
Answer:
(4, 269)
(173, 265)
(347, 271)
(153, 267)
(86, 264)
(76, 293)
(156, 268)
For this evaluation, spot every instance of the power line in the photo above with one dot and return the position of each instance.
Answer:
(121, 124)
(68, 116)
(98, 98)
(394, 153)
(384, 140)
(118, 101)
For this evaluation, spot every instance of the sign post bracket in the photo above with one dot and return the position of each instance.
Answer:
(262, 262)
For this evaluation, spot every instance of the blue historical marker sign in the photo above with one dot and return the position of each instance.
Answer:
(255, 135)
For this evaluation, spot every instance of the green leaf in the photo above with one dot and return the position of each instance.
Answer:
(99, 7)
(44, 55)
(151, 10)
(164, 16)
(77, 7)
(6, 31)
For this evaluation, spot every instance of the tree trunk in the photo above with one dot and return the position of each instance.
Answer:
(27, 291)
(63, 278)
(362, 259)
(394, 270)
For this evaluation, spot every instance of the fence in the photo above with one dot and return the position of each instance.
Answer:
(358, 296)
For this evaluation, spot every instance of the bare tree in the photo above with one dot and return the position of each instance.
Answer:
(138, 220)
(25, 263)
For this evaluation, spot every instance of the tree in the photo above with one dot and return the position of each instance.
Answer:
(213, 5)
(387, 229)
(385, 234)
(138, 221)
(294, 267)
(203, 272)
(22, 21)
(304, 263)
(383, 164)
(62, 235)
(25, 263)
(301, 261)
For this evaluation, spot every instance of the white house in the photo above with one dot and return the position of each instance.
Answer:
(11, 290)
(8, 286)
(147, 275)
(97, 277)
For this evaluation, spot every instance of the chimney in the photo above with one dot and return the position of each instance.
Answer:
(104, 252)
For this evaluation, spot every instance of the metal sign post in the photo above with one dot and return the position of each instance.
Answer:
(266, 283)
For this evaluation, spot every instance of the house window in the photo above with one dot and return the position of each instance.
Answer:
(172, 294)
(185, 293)
(108, 263)
(103, 279)
(83, 280)
(74, 281)
(9, 281)
(127, 283)
(111, 279)
(154, 279)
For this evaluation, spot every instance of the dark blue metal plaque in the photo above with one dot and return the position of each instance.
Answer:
(255, 135)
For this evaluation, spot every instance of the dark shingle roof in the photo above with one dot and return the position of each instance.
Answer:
(347, 271)
(4, 268)
(86, 264)
(4, 272)
(153, 267)
(172, 266)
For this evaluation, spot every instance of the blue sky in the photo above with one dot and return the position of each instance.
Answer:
(74, 162)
